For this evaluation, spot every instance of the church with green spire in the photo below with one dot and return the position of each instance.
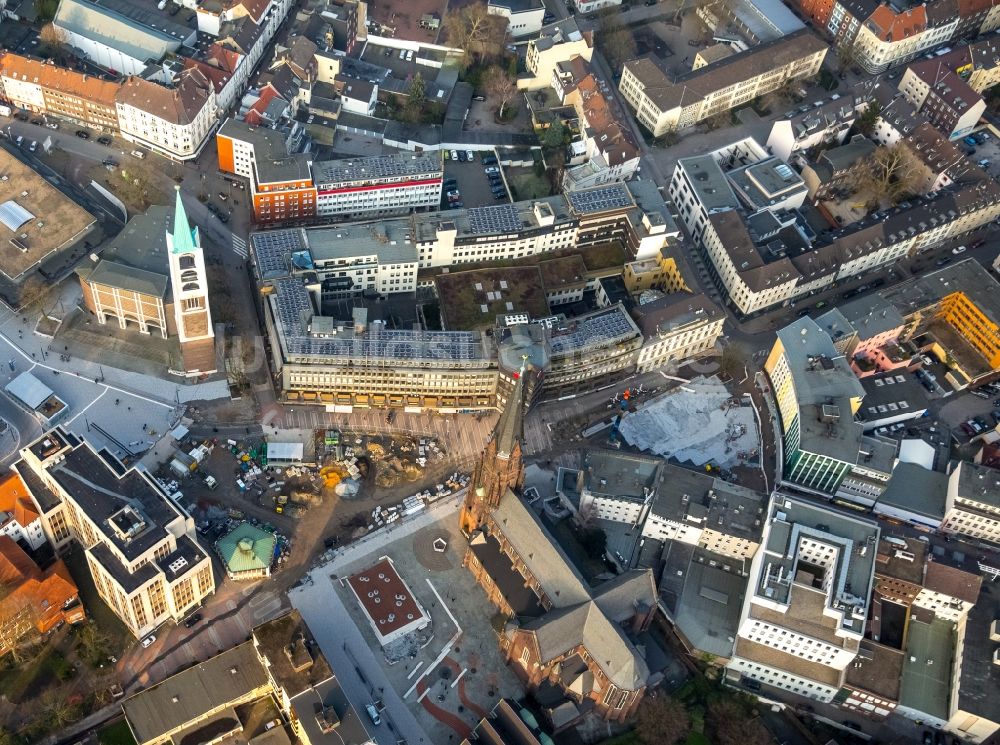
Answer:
(150, 281)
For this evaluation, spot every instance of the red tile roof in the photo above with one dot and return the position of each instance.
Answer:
(15, 499)
(44, 592)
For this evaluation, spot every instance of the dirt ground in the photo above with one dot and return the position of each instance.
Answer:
(404, 17)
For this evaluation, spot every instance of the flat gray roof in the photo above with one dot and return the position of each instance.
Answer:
(29, 390)
(926, 681)
(793, 518)
(709, 182)
(914, 488)
(622, 475)
(397, 165)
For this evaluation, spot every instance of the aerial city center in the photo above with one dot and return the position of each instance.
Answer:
(499, 372)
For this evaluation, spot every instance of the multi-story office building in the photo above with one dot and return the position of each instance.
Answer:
(141, 547)
(44, 88)
(961, 300)
(677, 327)
(290, 187)
(825, 450)
(803, 618)
(319, 360)
(972, 507)
(663, 104)
(385, 184)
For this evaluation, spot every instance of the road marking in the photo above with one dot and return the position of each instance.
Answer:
(240, 247)
(84, 410)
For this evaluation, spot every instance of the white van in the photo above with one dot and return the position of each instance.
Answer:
(373, 714)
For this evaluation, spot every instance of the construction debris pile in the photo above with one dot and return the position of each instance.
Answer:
(698, 422)
(418, 502)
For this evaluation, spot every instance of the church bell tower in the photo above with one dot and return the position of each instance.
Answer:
(500, 466)
(189, 288)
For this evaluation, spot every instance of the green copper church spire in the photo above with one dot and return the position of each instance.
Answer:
(183, 236)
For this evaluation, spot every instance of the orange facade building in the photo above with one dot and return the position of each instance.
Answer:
(34, 599)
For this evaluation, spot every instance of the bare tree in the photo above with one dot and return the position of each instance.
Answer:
(892, 172)
(732, 362)
(729, 724)
(662, 720)
(474, 30)
(847, 57)
(500, 87)
(615, 40)
(56, 707)
(55, 43)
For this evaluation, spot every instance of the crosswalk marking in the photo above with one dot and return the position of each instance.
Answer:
(240, 247)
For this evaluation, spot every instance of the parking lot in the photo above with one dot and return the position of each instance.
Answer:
(473, 183)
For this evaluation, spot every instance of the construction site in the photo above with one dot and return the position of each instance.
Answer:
(350, 482)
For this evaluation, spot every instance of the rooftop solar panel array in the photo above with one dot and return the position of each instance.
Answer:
(600, 199)
(273, 248)
(605, 327)
(494, 220)
(295, 309)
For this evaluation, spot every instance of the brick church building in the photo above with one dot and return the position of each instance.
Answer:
(571, 644)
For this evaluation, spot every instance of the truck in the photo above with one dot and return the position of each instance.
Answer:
(279, 503)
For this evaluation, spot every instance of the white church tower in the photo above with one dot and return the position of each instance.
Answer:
(189, 286)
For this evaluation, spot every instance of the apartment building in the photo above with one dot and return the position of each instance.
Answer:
(612, 153)
(663, 104)
(838, 169)
(760, 251)
(141, 548)
(173, 121)
(558, 42)
(803, 618)
(825, 450)
(677, 327)
(942, 97)
(45, 88)
(19, 519)
(34, 601)
(826, 125)
(700, 536)
(524, 17)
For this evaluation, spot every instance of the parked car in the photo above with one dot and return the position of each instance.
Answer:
(52, 125)
(83, 134)
(479, 98)
(453, 194)
(454, 154)
(492, 169)
(37, 122)
(223, 217)
(148, 640)
(192, 620)
(489, 159)
(222, 196)
(105, 140)
(33, 146)
(109, 162)
(958, 250)
(459, 203)
(373, 714)
(138, 154)
(19, 140)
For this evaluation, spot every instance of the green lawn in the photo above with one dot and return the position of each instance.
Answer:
(526, 185)
(96, 609)
(116, 734)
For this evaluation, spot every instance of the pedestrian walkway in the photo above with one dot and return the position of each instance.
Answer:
(240, 247)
